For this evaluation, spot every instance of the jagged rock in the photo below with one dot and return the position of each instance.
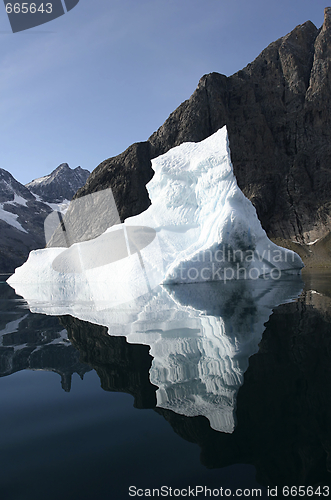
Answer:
(9, 186)
(21, 222)
(277, 111)
(127, 175)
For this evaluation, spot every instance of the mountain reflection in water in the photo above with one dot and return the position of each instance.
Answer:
(35, 342)
(246, 388)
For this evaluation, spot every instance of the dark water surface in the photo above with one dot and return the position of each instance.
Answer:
(78, 420)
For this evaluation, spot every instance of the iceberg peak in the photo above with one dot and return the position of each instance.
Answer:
(207, 229)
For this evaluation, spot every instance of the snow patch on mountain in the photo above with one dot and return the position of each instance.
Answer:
(22, 213)
(59, 207)
(18, 200)
(11, 219)
(40, 180)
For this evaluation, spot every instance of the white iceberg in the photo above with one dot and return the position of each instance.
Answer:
(207, 229)
(199, 227)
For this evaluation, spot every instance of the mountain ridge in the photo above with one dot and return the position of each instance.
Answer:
(62, 183)
(276, 110)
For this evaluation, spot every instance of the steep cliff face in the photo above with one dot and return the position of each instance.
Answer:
(277, 111)
(21, 222)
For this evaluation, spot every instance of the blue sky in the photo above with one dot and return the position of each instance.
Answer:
(85, 86)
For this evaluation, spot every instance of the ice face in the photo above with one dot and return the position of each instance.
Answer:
(203, 227)
(207, 229)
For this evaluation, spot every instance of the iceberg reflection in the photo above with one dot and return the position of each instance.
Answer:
(200, 335)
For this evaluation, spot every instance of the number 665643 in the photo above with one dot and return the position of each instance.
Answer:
(26, 8)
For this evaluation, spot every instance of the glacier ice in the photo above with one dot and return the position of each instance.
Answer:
(204, 229)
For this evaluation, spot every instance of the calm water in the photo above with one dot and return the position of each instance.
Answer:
(87, 418)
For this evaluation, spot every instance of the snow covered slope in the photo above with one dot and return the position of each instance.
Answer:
(21, 222)
(199, 227)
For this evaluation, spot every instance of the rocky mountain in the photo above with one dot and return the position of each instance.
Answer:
(60, 185)
(23, 210)
(277, 112)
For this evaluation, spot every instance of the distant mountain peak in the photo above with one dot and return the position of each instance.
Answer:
(60, 184)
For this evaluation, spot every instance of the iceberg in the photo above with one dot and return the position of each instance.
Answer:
(195, 277)
(200, 227)
(207, 229)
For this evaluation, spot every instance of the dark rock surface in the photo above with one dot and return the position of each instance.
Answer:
(9, 186)
(127, 175)
(277, 111)
(116, 183)
(60, 185)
